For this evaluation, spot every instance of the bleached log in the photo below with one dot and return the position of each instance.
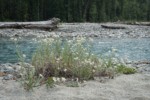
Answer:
(46, 25)
(113, 27)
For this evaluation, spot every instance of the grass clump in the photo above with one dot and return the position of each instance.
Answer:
(125, 70)
(49, 82)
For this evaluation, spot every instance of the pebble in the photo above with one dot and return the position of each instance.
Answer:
(8, 77)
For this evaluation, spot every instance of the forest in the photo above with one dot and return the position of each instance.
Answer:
(75, 10)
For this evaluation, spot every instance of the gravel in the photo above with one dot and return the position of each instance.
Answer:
(84, 29)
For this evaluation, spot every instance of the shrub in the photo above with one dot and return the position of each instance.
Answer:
(69, 58)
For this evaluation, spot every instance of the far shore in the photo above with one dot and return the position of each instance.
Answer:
(84, 29)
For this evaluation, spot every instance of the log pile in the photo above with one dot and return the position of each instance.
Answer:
(44, 25)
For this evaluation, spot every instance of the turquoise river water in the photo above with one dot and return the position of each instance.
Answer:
(135, 49)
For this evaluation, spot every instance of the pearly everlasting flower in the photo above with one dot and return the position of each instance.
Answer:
(76, 58)
(91, 63)
(77, 79)
(93, 71)
(24, 56)
(57, 61)
(91, 39)
(114, 50)
(115, 66)
(14, 39)
(87, 53)
(80, 40)
(38, 36)
(57, 79)
(58, 68)
(41, 76)
(56, 36)
(65, 70)
(63, 79)
(95, 67)
(54, 79)
(69, 41)
(34, 40)
(84, 81)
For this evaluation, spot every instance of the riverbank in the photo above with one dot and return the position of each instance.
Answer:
(84, 29)
(124, 87)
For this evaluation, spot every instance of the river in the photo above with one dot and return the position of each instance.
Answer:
(135, 49)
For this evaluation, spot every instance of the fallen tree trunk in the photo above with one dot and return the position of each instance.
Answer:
(138, 23)
(46, 25)
(139, 62)
(113, 27)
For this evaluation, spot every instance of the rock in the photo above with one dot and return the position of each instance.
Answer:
(8, 69)
(9, 77)
(2, 74)
(17, 67)
(11, 71)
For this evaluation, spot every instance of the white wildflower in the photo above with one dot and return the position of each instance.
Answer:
(65, 70)
(20, 38)
(77, 79)
(91, 39)
(115, 66)
(91, 63)
(24, 56)
(80, 40)
(76, 58)
(93, 71)
(57, 79)
(57, 61)
(114, 50)
(84, 81)
(41, 76)
(54, 79)
(69, 41)
(56, 36)
(87, 53)
(95, 67)
(34, 40)
(39, 36)
(14, 39)
(58, 68)
(63, 79)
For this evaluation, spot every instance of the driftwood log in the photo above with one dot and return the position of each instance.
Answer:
(44, 25)
(138, 23)
(113, 27)
(139, 62)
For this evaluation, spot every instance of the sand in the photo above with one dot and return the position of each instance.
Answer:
(123, 87)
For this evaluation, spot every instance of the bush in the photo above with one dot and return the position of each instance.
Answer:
(67, 58)
(71, 59)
